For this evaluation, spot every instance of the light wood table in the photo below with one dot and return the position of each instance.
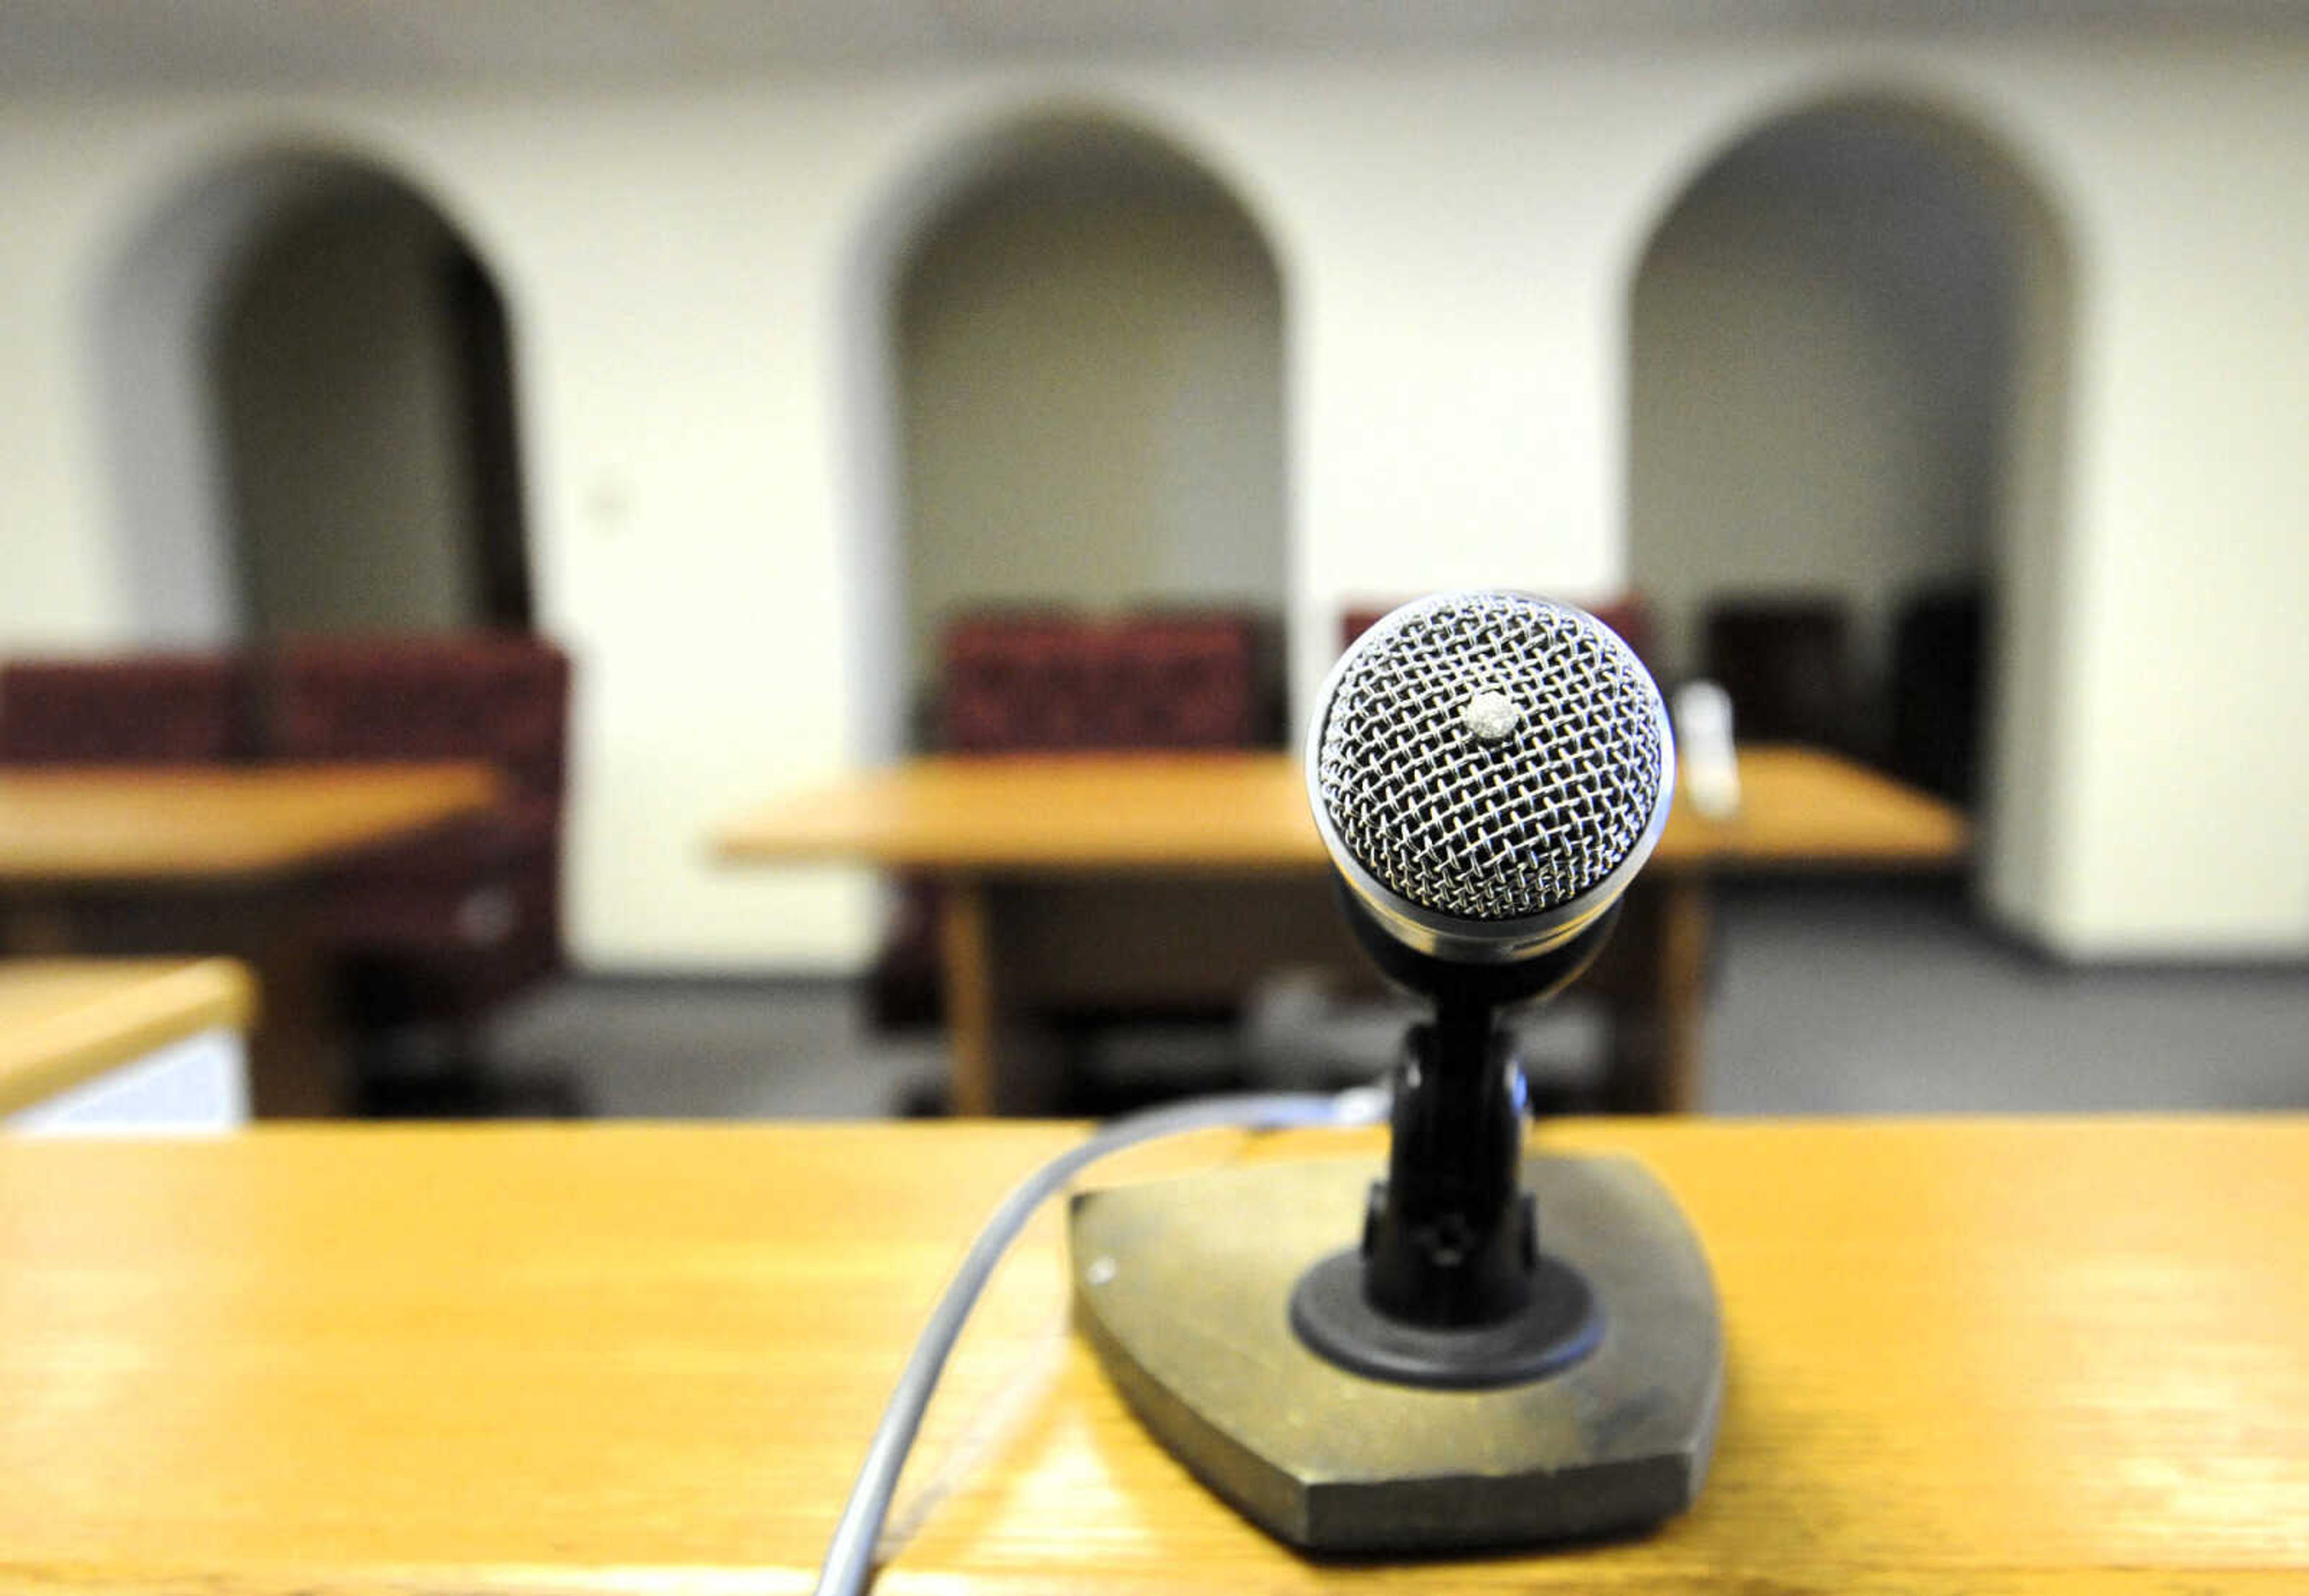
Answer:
(227, 861)
(1994, 1359)
(1129, 878)
(66, 1022)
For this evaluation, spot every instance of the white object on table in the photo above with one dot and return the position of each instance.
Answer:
(1703, 739)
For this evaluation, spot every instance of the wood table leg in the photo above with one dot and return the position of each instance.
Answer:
(297, 1066)
(296, 1060)
(1682, 993)
(1006, 1058)
(1654, 977)
(34, 931)
(965, 945)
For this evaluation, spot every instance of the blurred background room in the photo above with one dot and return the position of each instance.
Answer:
(495, 496)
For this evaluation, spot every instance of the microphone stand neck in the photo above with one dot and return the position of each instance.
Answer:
(1450, 1238)
(1448, 1288)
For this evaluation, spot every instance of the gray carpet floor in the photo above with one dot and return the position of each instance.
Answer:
(1827, 998)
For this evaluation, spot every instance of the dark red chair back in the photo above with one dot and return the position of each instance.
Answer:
(1040, 682)
(1940, 688)
(449, 925)
(1016, 683)
(502, 700)
(1787, 663)
(141, 709)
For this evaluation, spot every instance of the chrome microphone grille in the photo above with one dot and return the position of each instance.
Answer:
(1492, 757)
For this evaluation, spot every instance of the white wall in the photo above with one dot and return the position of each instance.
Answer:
(1455, 242)
(159, 441)
(1818, 369)
(1091, 378)
(335, 360)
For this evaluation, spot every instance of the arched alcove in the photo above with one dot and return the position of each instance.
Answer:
(1080, 368)
(1847, 360)
(305, 375)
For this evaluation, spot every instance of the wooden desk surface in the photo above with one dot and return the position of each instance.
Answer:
(2010, 1358)
(188, 824)
(1249, 812)
(63, 1020)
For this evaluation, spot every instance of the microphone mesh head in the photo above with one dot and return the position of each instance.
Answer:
(1464, 810)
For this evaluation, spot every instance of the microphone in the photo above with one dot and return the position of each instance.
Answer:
(1516, 1350)
(1488, 771)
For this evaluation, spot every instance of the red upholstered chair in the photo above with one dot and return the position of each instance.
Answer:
(1787, 662)
(1019, 684)
(1047, 682)
(443, 930)
(1358, 620)
(138, 710)
(1939, 688)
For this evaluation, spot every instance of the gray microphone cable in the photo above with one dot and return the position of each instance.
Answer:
(850, 1556)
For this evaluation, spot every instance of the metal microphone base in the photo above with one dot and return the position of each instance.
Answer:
(1184, 1288)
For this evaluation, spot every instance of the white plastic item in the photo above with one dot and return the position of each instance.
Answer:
(1702, 711)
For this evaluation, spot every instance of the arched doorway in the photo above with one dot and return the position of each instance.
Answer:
(1084, 362)
(1846, 376)
(306, 374)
